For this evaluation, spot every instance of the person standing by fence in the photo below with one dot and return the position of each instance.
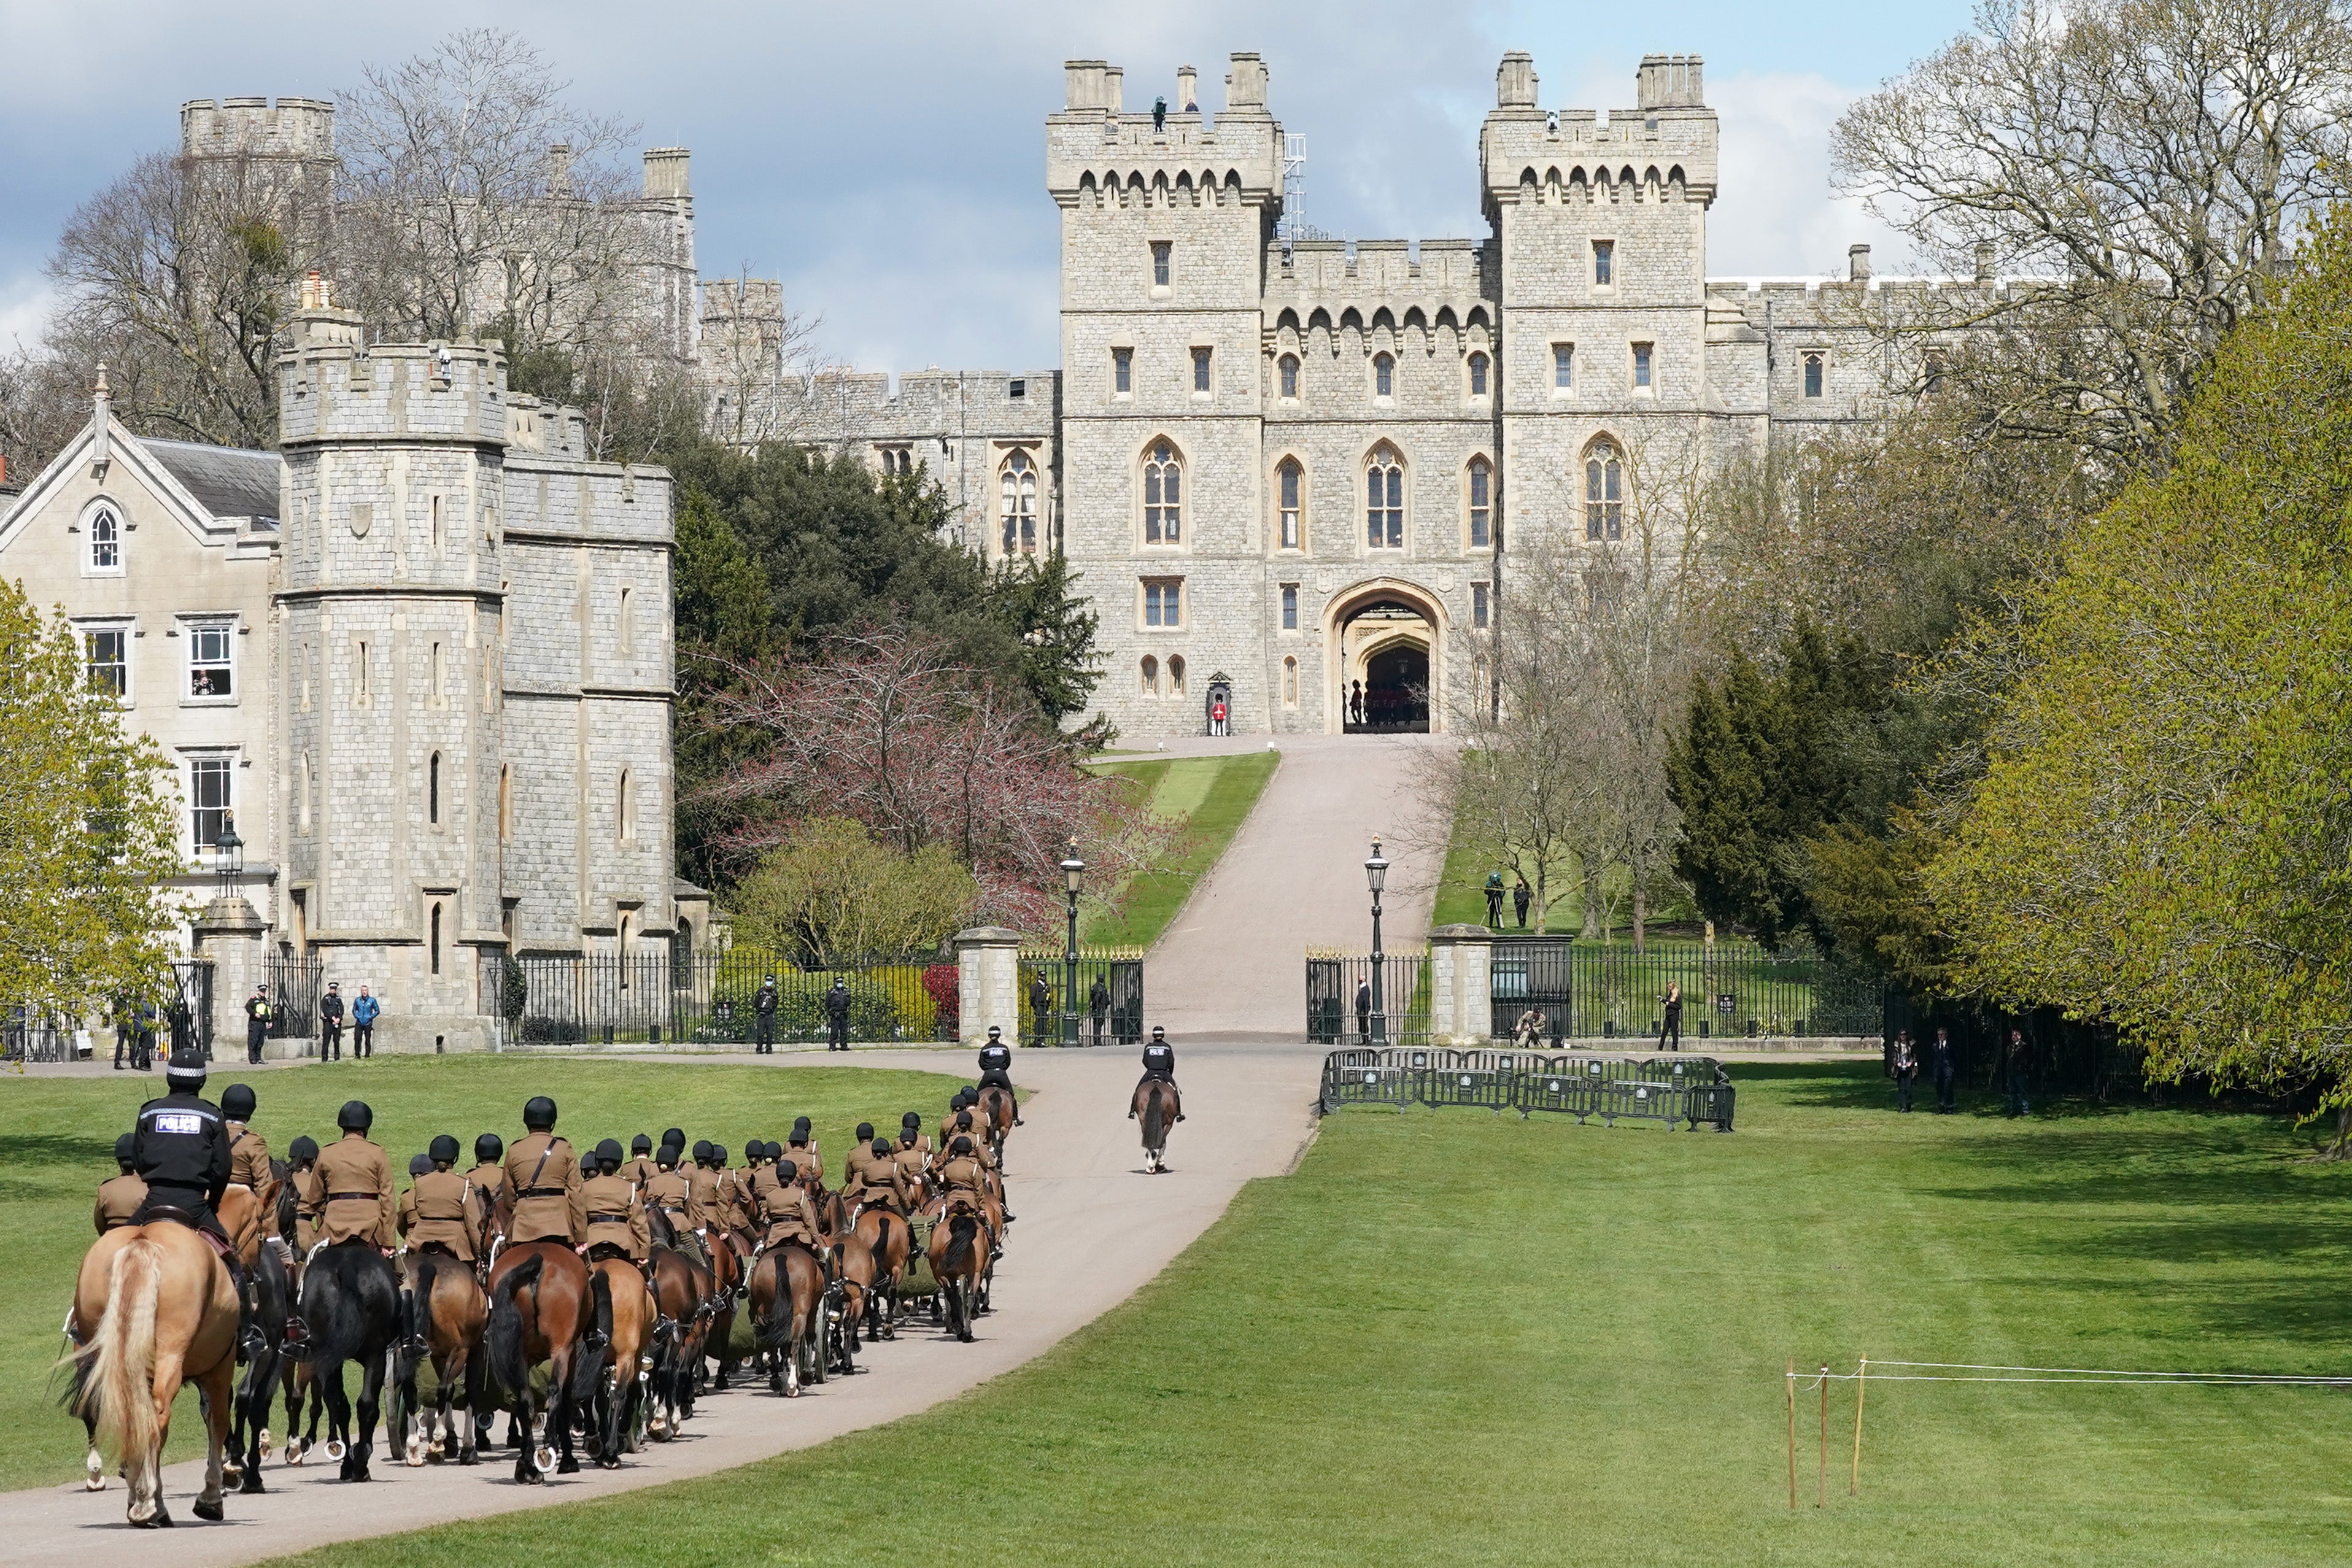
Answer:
(2021, 1060)
(1041, 1005)
(837, 1016)
(1521, 897)
(1906, 1067)
(1099, 1007)
(1364, 1013)
(763, 1019)
(1945, 1063)
(1494, 898)
(1672, 1029)
(257, 1024)
(364, 1017)
(331, 1023)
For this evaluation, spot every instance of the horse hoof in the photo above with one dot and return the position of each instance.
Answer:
(543, 1458)
(252, 1483)
(336, 1449)
(607, 1462)
(212, 1511)
(568, 1466)
(469, 1457)
(265, 1443)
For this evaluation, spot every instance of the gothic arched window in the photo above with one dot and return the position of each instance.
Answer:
(1604, 491)
(1163, 494)
(1150, 673)
(1481, 483)
(1290, 489)
(1288, 373)
(1017, 485)
(1384, 499)
(105, 539)
(1478, 375)
(1383, 375)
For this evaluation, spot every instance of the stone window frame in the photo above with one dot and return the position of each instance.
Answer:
(1641, 366)
(1295, 462)
(624, 809)
(1400, 497)
(192, 625)
(1148, 671)
(127, 628)
(220, 762)
(1020, 519)
(1287, 366)
(1478, 365)
(1145, 460)
(1382, 363)
(1290, 679)
(1563, 368)
(1814, 370)
(1482, 604)
(1286, 608)
(1163, 267)
(1122, 362)
(1604, 509)
(86, 524)
(1204, 371)
(1470, 508)
(1147, 603)
(1604, 261)
(433, 812)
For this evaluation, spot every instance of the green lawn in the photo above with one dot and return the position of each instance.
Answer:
(1453, 1338)
(57, 1143)
(1212, 796)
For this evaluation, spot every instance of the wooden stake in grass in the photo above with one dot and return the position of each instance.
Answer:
(1861, 1389)
(1789, 1382)
(1823, 1499)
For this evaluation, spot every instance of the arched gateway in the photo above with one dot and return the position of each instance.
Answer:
(1384, 644)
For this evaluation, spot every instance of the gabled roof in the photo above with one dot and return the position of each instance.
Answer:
(228, 481)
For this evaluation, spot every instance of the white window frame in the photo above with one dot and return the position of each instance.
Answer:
(1642, 368)
(1470, 503)
(128, 629)
(1163, 268)
(193, 626)
(1290, 521)
(228, 757)
(1604, 258)
(87, 526)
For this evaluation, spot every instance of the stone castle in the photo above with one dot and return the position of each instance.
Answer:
(1290, 472)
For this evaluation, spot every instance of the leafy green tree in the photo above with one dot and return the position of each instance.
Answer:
(2163, 833)
(89, 830)
(833, 891)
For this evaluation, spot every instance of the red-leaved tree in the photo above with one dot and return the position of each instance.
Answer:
(883, 725)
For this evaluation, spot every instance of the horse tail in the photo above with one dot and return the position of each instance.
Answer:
(1155, 1118)
(587, 1369)
(882, 1243)
(775, 1330)
(502, 1339)
(962, 1231)
(118, 1394)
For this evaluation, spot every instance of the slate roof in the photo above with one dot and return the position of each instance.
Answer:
(229, 481)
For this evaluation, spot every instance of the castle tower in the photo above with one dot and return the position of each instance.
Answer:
(1164, 234)
(391, 599)
(1602, 231)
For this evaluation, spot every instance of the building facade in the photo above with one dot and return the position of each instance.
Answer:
(421, 657)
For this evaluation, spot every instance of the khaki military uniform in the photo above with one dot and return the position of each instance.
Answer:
(118, 1199)
(443, 1209)
(704, 1184)
(543, 1196)
(490, 1183)
(786, 1213)
(914, 1163)
(639, 1170)
(807, 1163)
(873, 1180)
(356, 1176)
(310, 1203)
(673, 1193)
(615, 1217)
(248, 1156)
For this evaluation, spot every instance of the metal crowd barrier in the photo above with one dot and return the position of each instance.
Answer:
(1688, 1089)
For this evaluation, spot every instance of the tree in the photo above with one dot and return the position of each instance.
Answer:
(831, 890)
(2162, 836)
(89, 832)
(2148, 162)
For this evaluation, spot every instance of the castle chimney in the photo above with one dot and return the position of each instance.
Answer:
(1245, 86)
(1515, 81)
(559, 170)
(1188, 90)
(101, 420)
(1114, 79)
(315, 291)
(1084, 80)
(665, 171)
(1669, 81)
(1984, 261)
(1857, 262)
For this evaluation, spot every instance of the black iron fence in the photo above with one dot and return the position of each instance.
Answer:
(295, 983)
(144, 1032)
(738, 997)
(1109, 996)
(1562, 988)
(1341, 1009)
(1687, 1091)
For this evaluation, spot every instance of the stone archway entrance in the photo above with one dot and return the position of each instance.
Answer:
(1385, 640)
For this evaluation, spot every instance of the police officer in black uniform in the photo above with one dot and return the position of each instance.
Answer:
(763, 1019)
(995, 1059)
(837, 1016)
(1159, 1062)
(181, 1149)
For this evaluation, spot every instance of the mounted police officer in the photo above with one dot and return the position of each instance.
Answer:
(996, 1060)
(181, 1151)
(542, 1195)
(1159, 1062)
(120, 1197)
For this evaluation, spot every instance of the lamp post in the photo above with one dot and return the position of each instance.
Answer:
(1376, 872)
(229, 857)
(1073, 871)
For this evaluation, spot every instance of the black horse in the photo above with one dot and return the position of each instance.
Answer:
(351, 1305)
(248, 1426)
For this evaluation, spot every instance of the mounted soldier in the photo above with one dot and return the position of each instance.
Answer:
(121, 1196)
(249, 1150)
(640, 1168)
(444, 1210)
(356, 1176)
(672, 1191)
(802, 1150)
(543, 1196)
(615, 1220)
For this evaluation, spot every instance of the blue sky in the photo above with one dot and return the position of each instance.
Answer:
(885, 161)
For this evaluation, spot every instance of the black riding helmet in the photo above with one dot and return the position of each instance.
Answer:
(355, 1117)
(881, 1148)
(786, 1170)
(912, 1120)
(489, 1149)
(538, 1113)
(675, 1136)
(718, 1154)
(643, 1144)
(608, 1153)
(865, 1131)
(960, 1146)
(800, 1126)
(420, 1165)
(666, 1156)
(123, 1149)
(444, 1149)
(701, 1149)
(303, 1149)
(963, 1121)
(236, 1103)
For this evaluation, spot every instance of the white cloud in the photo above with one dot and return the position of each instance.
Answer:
(24, 303)
(1774, 213)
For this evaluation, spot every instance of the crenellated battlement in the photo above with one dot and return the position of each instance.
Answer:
(1665, 148)
(295, 127)
(1098, 153)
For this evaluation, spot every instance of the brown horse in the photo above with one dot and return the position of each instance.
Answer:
(788, 1309)
(889, 1242)
(684, 1309)
(625, 1316)
(541, 1309)
(1157, 1106)
(728, 1288)
(859, 1273)
(961, 1243)
(153, 1307)
(451, 1314)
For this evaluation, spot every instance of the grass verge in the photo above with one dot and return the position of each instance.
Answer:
(57, 1143)
(1453, 1338)
(1212, 796)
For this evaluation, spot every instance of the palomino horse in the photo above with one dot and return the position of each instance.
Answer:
(540, 1310)
(959, 1258)
(153, 1307)
(351, 1306)
(1157, 1106)
(625, 1319)
(889, 1242)
(452, 1313)
(788, 1308)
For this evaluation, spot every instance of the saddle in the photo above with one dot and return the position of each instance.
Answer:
(213, 1238)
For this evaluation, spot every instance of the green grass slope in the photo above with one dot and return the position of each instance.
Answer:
(1212, 796)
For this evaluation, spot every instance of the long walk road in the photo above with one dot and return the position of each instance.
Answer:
(1092, 1227)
